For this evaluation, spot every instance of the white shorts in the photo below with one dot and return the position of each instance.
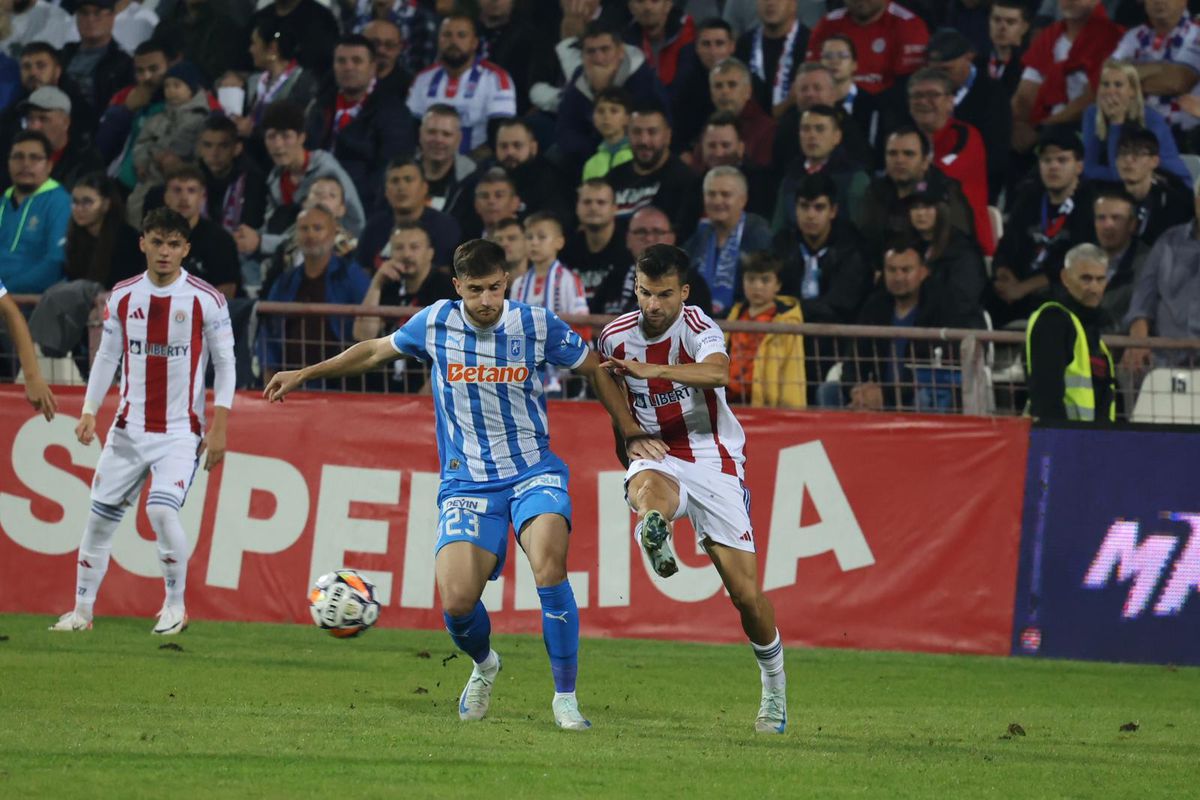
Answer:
(128, 458)
(717, 504)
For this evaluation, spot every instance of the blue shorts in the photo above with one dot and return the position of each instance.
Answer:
(481, 513)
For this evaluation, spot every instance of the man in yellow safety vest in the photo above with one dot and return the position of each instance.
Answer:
(1071, 375)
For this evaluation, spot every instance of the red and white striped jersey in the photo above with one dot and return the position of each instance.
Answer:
(164, 337)
(696, 424)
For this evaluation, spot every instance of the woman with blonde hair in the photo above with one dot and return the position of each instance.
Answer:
(1119, 102)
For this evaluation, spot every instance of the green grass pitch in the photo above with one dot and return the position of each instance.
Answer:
(252, 711)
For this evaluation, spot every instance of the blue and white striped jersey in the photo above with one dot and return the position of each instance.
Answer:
(487, 384)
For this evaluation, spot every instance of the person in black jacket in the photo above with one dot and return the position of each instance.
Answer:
(362, 129)
(1052, 341)
(312, 25)
(96, 62)
(889, 373)
(1047, 217)
(1163, 200)
(954, 261)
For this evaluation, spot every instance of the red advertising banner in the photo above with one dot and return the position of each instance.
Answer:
(874, 531)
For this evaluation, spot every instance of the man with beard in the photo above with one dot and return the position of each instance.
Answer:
(596, 249)
(477, 89)
(34, 229)
(538, 182)
(655, 175)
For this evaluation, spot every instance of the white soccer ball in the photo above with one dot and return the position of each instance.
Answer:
(343, 603)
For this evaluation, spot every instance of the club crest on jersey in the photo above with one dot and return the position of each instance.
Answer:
(642, 400)
(180, 316)
(516, 349)
(461, 373)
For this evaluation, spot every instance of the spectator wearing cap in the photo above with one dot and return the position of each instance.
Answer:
(1119, 104)
(168, 139)
(49, 110)
(1008, 24)
(34, 214)
(36, 21)
(979, 101)
(206, 34)
(362, 128)
(1062, 70)
(958, 149)
(1047, 218)
(1163, 200)
(96, 62)
(41, 65)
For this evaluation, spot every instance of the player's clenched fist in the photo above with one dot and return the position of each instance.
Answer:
(281, 384)
(85, 431)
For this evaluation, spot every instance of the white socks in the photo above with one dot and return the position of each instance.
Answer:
(172, 550)
(770, 661)
(94, 552)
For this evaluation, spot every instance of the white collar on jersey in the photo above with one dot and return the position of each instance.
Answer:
(154, 287)
(466, 318)
(665, 334)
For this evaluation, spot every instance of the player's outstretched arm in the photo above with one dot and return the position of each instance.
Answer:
(637, 443)
(353, 361)
(710, 373)
(36, 391)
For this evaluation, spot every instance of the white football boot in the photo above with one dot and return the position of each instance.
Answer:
(477, 694)
(171, 620)
(772, 714)
(567, 714)
(72, 621)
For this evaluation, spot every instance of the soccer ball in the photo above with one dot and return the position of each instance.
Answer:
(343, 603)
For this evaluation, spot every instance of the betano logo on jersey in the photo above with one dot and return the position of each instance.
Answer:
(137, 347)
(461, 373)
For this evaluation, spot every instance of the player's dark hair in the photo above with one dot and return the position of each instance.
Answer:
(478, 258)
(597, 28)
(816, 186)
(598, 183)
(724, 119)
(33, 48)
(660, 260)
(400, 162)
(497, 175)
(822, 110)
(283, 115)
(516, 122)
(33, 136)
(651, 106)
(165, 221)
(761, 262)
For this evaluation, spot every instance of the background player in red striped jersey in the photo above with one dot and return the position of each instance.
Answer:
(675, 368)
(161, 328)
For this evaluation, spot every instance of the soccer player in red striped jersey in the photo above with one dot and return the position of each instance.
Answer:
(675, 368)
(161, 328)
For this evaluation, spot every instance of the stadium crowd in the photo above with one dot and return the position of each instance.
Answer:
(918, 163)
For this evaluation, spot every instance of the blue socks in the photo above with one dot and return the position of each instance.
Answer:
(473, 632)
(560, 631)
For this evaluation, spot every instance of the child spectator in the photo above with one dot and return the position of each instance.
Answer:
(549, 282)
(168, 139)
(766, 369)
(610, 115)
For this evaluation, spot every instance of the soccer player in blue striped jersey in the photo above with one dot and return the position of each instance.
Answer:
(486, 356)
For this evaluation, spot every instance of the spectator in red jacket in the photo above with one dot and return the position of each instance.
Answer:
(1062, 70)
(958, 149)
(888, 38)
(660, 31)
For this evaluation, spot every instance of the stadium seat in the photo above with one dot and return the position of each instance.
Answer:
(1169, 396)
